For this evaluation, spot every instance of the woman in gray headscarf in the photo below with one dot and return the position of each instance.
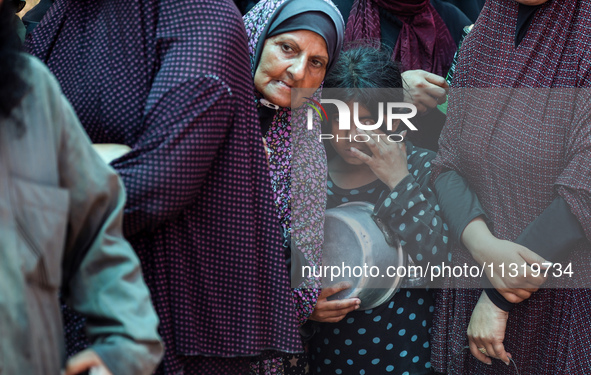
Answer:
(292, 45)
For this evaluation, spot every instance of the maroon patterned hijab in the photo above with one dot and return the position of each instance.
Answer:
(424, 41)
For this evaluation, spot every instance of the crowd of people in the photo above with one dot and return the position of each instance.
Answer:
(159, 185)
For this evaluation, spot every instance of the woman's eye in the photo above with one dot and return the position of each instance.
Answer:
(317, 63)
(286, 48)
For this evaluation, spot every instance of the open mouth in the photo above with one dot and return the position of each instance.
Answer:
(283, 84)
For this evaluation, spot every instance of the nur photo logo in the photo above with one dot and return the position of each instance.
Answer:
(392, 112)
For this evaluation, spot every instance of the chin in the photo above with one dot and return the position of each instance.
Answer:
(352, 161)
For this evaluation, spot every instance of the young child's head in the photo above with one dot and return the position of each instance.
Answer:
(367, 76)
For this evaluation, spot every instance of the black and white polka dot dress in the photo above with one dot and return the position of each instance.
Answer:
(392, 338)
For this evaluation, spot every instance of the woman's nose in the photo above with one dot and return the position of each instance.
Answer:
(297, 70)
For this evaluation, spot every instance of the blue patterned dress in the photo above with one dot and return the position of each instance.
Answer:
(393, 338)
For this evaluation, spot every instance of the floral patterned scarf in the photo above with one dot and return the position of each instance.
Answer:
(296, 156)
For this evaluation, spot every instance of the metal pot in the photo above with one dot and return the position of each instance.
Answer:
(353, 238)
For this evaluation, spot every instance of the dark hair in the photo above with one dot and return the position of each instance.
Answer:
(12, 85)
(362, 70)
(357, 74)
(365, 67)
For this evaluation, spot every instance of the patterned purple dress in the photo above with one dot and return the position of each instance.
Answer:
(172, 80)
(298, 176)
(518, 155)
(298, 166)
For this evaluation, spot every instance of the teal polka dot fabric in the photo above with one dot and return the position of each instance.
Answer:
(387, 340)
(394, 337)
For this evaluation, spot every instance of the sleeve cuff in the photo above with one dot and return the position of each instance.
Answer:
(554, 232)
(459, 204)
(141, 358)
(495, 296)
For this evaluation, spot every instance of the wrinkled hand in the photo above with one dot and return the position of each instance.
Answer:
(110, 151)
(423, 89)
(84, 361)
(333, 311)
(388, 161)
(487, 330)
(514, 281)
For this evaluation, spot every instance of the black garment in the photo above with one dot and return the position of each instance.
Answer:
(266, 118)
(34, 16)
(460, 205)
(19, 31)
(390, 26)
(471, 8)
(430, 125)
(392, 338)
(244, 6)
(525, 15)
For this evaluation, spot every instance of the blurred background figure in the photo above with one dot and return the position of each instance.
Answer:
(155, 76)
(471, 8)
(423, 35)
(61, 208)
(514, 184)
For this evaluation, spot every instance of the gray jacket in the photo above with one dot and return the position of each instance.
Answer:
(60, 218)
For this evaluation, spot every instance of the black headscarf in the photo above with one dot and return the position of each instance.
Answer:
(313, 15)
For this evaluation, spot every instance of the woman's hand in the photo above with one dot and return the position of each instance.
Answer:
(508, 265)
(333, 311)
(388, 161)
(84, 361)
(487, 330)
(110, 151)
(423, 89)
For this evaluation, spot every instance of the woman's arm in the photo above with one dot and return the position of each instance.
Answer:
(487, 330)
(488, 250)
(102, 275)
(410, 209)
(469, 226)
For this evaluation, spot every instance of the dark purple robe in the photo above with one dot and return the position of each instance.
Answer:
(172, 80)
(519, 150)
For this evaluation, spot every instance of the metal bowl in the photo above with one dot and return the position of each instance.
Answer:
(352, 238)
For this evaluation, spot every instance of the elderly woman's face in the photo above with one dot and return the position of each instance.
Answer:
(296, 59)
